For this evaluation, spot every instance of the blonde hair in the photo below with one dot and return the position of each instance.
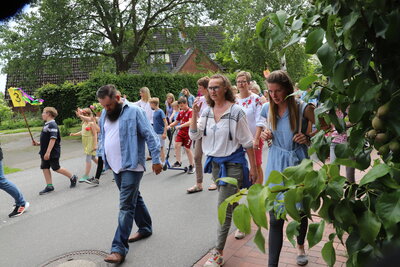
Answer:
(155, 101)
(146, 95)
(174, 104)
(254, 85)
(245, 74)
(281, 78)
(52, 111)
(170, 95)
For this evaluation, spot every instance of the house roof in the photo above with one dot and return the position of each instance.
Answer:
(184, 58)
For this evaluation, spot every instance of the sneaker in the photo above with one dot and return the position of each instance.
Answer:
(93, 181)
(177, 164)
(73, 181)
(239, 235)
(83, 179)
(191, 169)
(216, 260)
(19, 210)
(46, 190)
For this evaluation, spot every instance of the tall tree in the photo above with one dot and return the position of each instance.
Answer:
(241, 49)
(113, 29)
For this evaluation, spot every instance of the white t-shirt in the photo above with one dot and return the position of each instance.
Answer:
(112, 147)
(147, 109)
(252, 106)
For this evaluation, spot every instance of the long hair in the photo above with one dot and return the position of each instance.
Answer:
(226, 84)
(146, 95)
(282, 78)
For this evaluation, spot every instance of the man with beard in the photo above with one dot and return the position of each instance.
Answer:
(125, 129)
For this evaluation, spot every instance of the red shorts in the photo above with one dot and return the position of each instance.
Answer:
(183, 137)
(258, 153)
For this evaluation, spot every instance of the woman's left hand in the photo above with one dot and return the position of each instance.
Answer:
(300, 138)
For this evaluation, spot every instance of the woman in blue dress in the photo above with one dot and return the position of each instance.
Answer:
(287, 121)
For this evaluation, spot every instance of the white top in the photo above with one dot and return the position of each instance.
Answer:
(216, 142)
(252, 105)
(202, 99)
(112, 147)
(147, 108)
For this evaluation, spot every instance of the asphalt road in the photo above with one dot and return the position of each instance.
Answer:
(85, 218)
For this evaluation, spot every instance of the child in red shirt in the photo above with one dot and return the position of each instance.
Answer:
(182, 137)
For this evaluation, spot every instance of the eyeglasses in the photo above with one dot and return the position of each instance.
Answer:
(214, 88)
(241, 82)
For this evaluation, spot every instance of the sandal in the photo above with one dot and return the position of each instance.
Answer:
(194, 189)
(212, 187)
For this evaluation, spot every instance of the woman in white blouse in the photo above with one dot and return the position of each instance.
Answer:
(226, 138)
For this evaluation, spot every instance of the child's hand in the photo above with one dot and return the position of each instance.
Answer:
(46, 156)
(164, 136)
(34, 143)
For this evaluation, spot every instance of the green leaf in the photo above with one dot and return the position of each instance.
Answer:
(229, 180)
(298, 172)
(330, 31)
(279, 18)
(259, 240)
(242, 218)
(376, 172)
(327, 56)
(369, 226)
(388, 208)
(328, 253)
(356, 111)
(290, 204)
(297, 24)
(256, 197)
(340, 72)
(292, 231)
(314, 41)
(314, 183)
(371, 92)
(350, 20)
(275, 177)
(315, 232)
(324, 211)
(222, 212)
(354, 243)
(305, 82)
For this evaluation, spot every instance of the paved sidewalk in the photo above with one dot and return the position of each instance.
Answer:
(245, 253)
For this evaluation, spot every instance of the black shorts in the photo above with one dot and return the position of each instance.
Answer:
(54, 163)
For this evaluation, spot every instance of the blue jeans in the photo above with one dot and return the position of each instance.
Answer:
(10, 188)
(131, 207)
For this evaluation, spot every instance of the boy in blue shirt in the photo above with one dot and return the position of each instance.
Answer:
(159, 124)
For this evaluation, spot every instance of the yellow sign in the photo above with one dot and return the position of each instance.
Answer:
(16, 97)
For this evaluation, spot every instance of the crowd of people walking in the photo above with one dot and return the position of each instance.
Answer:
(227, 124)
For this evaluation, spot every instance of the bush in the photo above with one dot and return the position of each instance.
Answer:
(64, 131)
(61, 97)
(70, 122)
(67, 97)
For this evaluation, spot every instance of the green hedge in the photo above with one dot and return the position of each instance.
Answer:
(67, 97)
(61, 97)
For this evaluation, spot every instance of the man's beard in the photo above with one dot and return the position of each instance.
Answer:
(113, 115)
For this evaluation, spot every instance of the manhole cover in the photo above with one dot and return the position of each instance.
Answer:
(81, 258)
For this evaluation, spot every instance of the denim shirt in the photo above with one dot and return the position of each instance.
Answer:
(134, 130)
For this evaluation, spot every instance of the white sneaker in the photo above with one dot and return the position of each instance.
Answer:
(239, 235)
(216, 260)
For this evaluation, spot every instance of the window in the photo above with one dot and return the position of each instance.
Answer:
(159, 58)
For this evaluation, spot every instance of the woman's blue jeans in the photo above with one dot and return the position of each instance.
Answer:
(131, 207)
(10, 188)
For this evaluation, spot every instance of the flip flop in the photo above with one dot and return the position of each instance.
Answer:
(212, 187)
(194, 189)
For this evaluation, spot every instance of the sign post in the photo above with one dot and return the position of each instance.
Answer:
(18, 101)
